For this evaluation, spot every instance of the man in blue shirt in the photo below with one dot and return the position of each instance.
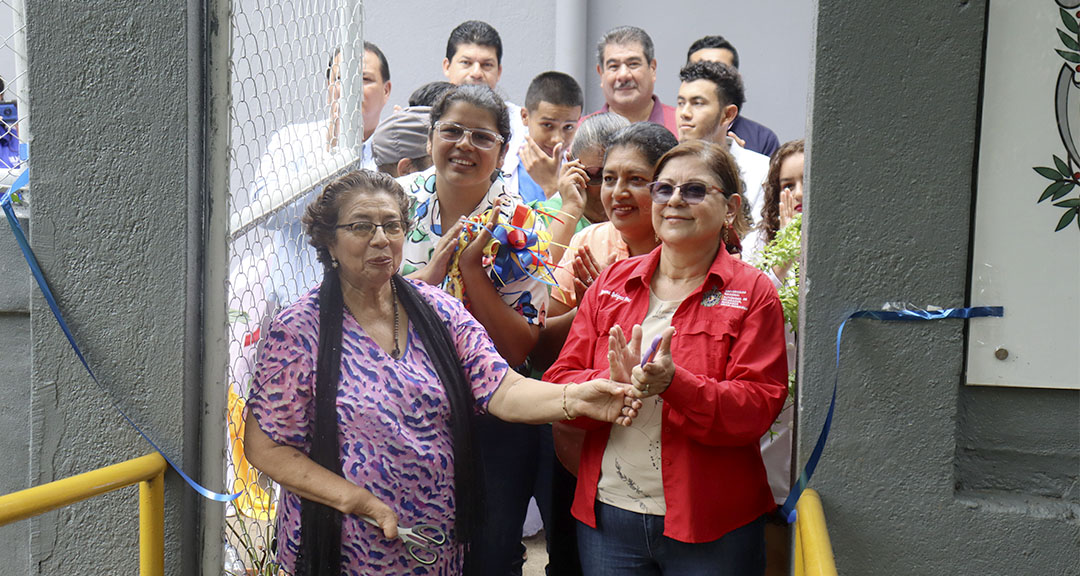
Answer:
(755, 136)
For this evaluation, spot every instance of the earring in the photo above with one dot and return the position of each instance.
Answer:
(724, 234)
(333, 262)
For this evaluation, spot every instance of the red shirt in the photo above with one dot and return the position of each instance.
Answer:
(729, 386)
(661, 114)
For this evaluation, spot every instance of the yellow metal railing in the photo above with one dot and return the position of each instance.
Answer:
(813, 551)
(148, 471)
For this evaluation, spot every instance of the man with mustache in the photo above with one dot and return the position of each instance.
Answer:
(627, 72)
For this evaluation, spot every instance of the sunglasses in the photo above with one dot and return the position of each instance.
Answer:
(478, 137)
(691, 192)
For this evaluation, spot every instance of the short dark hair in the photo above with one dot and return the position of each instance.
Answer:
(729, 86)
(554, 88)
(479, 95)
(384, 66)
(717, 42)
(651, 140)
(474, 32)
(625, 35)
(429, 94)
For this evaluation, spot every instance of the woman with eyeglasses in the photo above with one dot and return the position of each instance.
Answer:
(365, 395)
(683, 489)
(470, 129)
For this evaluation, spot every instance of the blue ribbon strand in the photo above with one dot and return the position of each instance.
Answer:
(20, 238)
(787, 511)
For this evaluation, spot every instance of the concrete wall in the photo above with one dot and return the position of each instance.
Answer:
(15, 390)
(922, 474)
(116, 226)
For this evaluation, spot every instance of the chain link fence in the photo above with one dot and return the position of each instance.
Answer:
(14, 97)
(295, 125)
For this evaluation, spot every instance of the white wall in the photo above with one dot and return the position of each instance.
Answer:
(772, 36)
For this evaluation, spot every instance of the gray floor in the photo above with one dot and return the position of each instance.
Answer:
(537, 555)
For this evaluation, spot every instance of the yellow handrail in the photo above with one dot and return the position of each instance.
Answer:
(148, 471)
(813, 550)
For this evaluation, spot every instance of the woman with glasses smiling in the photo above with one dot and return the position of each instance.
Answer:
(683, 489)
(470, 129)
(365, 395)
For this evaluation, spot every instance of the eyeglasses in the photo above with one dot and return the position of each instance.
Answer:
(691, 192)
(392, 229)
(478, 137)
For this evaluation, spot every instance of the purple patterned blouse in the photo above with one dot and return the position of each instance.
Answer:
(393, 425)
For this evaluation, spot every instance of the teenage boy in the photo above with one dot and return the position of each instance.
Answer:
(552, 109)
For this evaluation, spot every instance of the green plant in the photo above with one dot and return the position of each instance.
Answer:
(782, 252)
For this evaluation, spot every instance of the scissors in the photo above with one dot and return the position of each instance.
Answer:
(420, 540)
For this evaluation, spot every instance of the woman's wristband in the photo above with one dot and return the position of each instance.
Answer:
(566, 413)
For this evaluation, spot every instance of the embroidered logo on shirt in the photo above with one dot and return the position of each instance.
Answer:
(615, 295)
(711, 298)
(735, 299)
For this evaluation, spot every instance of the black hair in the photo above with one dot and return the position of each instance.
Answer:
(480, 96)
(729, 86)
(384, 66)
(429, 93)
(474, 32)
(625, 35)
(651, 140)
(716, 42)
(554, 88)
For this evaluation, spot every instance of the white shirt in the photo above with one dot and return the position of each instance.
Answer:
(753, 168)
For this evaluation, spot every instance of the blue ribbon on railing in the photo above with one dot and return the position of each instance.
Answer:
(787, 511)
(20, 238)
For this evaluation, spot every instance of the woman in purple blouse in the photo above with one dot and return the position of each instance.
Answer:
(407, 367)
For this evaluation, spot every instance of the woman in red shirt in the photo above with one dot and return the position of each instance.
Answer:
(682, 491)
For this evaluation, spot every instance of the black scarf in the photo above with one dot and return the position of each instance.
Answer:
(320, 525)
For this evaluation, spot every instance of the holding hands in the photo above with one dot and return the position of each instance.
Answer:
(602, 400)
(648, 376)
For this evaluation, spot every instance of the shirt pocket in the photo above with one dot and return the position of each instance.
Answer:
(702, 346)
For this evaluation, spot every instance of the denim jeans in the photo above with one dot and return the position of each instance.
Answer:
(629, 543)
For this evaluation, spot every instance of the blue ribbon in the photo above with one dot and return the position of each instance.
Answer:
(20, 238)
(787, 511)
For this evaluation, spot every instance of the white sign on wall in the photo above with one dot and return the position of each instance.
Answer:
(1027, 215)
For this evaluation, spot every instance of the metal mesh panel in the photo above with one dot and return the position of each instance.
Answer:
(14, 101)
(292, 130)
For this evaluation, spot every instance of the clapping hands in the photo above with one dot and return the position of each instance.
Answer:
(624, 358)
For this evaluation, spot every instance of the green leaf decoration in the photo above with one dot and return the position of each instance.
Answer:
(1069, 21)
(1050, 191)
(1069, 41)
(1066, 219)
(1049, 173)
(1070, 203)
(1062, 167)
(1070, 56)
(1068, 186)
